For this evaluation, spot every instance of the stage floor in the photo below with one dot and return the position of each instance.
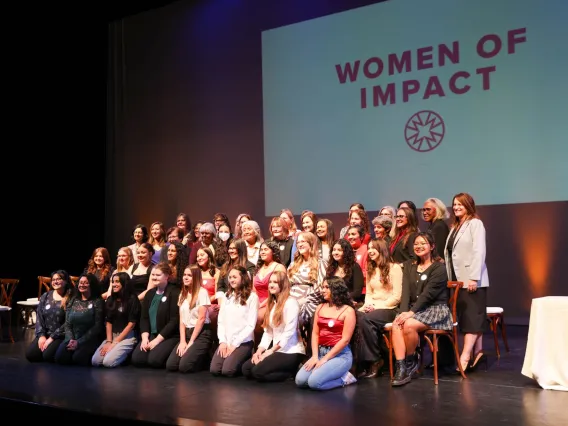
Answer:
(499, 396)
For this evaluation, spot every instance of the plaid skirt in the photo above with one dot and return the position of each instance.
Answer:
(437, 317)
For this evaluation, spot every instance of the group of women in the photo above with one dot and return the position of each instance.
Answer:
(299, 304)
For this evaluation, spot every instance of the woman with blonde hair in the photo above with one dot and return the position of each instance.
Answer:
(280, 350)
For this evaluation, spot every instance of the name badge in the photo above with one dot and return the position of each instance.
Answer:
(423, 277)
(282, 247)
(358, 257)
(90, 306)
(331, 323)
(120, 309)
(164, 299)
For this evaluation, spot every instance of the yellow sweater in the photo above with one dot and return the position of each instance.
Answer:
(377, 295)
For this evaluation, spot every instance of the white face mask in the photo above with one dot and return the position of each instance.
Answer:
(224, 236)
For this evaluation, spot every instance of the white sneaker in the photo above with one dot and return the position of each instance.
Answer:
(348, 379)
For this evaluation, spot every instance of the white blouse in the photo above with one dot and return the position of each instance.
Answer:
(189, 317)
(236, 322)
(286, 335)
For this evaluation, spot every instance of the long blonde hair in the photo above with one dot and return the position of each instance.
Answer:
(277, 299)
(311, 239)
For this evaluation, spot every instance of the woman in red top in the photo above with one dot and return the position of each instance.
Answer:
(334, 323)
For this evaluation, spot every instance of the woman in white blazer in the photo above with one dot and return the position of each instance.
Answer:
(465, 261)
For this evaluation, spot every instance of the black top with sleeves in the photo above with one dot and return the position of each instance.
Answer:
(50, 320)
(84, 320)
(431, 287)
(167, 317)
(119, 317)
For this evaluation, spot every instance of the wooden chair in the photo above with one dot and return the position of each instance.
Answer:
(496, 316)
(431, 336)
(7, 288)
(28, 306)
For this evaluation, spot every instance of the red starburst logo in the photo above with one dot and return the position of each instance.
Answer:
(424, 131)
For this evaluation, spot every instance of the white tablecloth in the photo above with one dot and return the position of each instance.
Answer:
(546, 358)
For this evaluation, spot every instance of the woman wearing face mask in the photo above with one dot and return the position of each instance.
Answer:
(84, 318)
(225, 234)
(122, 317)
(195, 335)
(280, 322)
(159, 321)
(237, 319)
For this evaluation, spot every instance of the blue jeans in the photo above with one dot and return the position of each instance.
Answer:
(329, 375)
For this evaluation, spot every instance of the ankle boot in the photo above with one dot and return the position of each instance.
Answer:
(413, 363)
(374, 370)
(401, 377)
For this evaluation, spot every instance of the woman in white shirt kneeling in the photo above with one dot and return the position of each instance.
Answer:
(236, 323)
(195, 335)
(281, 360)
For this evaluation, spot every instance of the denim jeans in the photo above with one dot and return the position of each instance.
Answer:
(329, 375)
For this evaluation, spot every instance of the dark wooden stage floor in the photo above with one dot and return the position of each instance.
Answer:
(499, 396)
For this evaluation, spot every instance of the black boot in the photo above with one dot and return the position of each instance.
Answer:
(413, 363)
(401, 377)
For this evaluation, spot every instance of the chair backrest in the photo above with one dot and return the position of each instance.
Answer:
(44, 285)
(7, 288)
(74, 280)
(456, 285)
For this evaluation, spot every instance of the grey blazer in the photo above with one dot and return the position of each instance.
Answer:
(468, 254)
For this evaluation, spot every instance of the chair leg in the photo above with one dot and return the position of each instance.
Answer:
(10, 326)
(435, 357)
(391, 368)
(495, 338)
(503, 332)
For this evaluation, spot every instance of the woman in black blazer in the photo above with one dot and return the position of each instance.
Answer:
(435, 214)
(403, 239)
(159, 322)
(424, 305)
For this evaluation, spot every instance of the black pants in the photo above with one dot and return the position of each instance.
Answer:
(34, 354)
(274, 368)
(80, 356)
(157, 357)
(232, 365)
(371, 325)
(194, 359)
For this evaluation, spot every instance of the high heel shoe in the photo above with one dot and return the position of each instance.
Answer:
(478, 358)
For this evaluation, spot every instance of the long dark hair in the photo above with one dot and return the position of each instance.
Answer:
(120, 299)
(348, 260)
(274, 248)
(67, 285)
(383, 264)
(94, 286)
(435, 257)
(243, 292)
(340, 295)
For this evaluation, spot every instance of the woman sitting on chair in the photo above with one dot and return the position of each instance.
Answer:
(424, 305)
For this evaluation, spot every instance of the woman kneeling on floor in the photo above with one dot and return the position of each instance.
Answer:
(159, 320)
(424, 305)
(122, 317)
(235, 327)
(281, 361)
(334, 323)
(195, 335)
